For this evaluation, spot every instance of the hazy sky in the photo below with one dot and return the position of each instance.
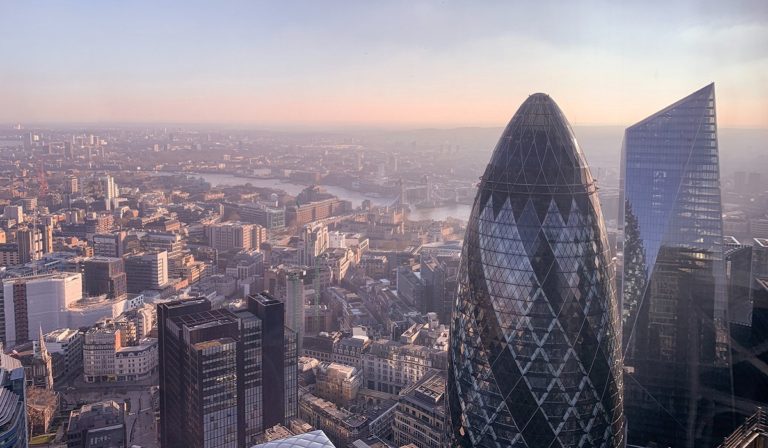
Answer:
(382, 63)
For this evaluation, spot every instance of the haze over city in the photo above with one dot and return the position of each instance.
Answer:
(384, 64)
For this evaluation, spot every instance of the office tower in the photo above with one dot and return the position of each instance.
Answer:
(99, 424)
(674, 297)
(235, 235)
(28, 204)
(68, 154)
(239, 356)
(271, 312)
(147, 270)
(15, 212)
(13, 407)
(105, 275)
(109, 244)
(534, 357)
(439, 273)
(31, 303)
(294, 303)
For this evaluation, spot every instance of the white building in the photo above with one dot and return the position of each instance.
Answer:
(32, 303)
(134, 363)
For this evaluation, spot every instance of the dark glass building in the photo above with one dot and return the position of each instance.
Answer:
(535, 342)
(105, 275)
(674, 303)
(225, 376)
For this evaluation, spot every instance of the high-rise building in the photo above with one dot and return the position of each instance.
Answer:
(35, 302)
(147, 270)
(105, 275)
(535, 336)
(674, 299)
(294, 303)
(224, 376)
(109, 188)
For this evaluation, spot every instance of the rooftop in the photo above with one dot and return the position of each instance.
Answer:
(314, 439)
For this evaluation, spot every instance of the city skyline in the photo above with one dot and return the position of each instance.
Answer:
(397, 65)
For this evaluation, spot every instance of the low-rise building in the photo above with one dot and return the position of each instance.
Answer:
(390, 366)
(136, 362)
(66, 348)
(338, 383)
(342, 426)
(97, 425)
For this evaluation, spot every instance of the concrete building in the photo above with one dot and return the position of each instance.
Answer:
(148, 270)
(109, 244)
(420, 416)
(97, 425)
(41, 301)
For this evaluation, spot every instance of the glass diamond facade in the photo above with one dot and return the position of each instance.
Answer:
(674, 301)
(535, 351)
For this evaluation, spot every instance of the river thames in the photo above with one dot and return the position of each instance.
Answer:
(458, 211)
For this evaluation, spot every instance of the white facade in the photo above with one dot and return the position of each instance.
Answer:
(136, 362)
(47, 298)
(337, 240)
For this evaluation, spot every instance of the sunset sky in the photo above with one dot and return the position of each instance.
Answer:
(382, 63)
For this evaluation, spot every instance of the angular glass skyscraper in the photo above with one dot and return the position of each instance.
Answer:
(535, 341)
(674, 299)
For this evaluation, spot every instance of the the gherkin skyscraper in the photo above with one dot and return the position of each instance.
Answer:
(535, 351)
